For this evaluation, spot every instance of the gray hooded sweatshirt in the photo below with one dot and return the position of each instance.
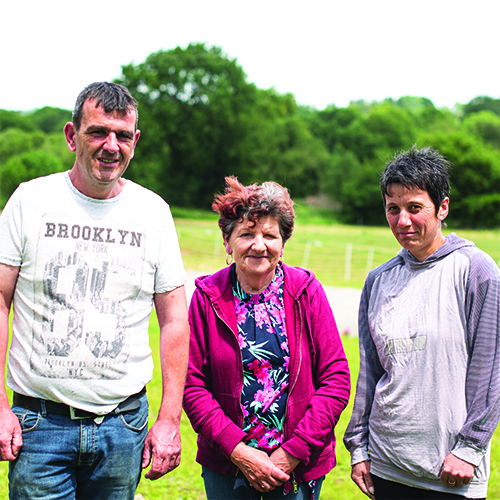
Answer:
(429, 379)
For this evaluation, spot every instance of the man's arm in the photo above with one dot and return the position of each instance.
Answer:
(10, 431)
(163, 442)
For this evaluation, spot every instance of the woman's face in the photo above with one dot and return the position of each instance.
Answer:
(413, 220)
(256, 248)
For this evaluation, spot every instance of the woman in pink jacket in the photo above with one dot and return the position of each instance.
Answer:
(268, 377)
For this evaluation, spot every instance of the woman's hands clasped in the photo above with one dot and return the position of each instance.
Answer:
(264, 473)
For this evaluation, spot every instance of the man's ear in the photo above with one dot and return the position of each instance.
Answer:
(136, 138)
(69, 134)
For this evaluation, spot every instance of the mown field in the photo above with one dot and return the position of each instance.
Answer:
(321, 246)
(317, 243)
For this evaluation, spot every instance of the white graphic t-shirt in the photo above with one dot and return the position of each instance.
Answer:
(88, 272)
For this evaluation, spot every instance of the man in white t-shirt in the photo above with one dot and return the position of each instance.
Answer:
(84, 255)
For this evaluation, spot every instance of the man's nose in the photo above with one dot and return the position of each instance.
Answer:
(111, 143)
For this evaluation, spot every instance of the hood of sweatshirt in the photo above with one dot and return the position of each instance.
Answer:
(452, 243)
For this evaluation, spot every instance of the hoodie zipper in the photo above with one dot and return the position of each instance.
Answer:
(293, 481)
(241, 358)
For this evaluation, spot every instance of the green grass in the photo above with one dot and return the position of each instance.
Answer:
(320, 246)
(186, 483)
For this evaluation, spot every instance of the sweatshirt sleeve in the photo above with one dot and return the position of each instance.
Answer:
(333, 389)
(205, 413)
(483, 375)
(370, 372)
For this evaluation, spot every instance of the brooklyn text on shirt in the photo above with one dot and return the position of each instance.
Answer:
(95, 234)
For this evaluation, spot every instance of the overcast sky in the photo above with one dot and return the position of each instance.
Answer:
(323, 52)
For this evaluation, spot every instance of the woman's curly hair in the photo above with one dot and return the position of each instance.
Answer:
(252, 203)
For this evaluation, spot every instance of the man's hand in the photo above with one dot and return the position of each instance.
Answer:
(262, 474)
(360, 474)
(163, 442)
(284, 460)
(163, 446)
(10, 431)
(456, 472)
(11, 439)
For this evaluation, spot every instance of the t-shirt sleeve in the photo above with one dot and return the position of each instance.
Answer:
(11, 240)
(170, 273)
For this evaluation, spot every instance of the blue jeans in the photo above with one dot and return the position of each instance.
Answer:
(221, 487)
(78, 459)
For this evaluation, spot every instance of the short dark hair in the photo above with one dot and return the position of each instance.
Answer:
(252, 203)
(425, 169)
(111, 96)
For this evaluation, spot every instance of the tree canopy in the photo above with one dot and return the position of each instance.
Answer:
(201, 120)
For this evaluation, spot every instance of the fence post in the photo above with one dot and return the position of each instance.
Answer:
(369, 260)
(348, 260)
(307, 251)
(217, 244)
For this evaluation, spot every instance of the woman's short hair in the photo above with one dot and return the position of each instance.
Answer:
(252, 203)
(425, 169)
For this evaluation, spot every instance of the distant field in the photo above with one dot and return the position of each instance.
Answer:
(321, 246)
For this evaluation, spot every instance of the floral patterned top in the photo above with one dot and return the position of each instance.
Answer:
(266, 357)
(264, 349)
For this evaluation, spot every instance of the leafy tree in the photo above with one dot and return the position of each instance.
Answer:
(413, 104)
(475, 180)
(330, 124)
(285, 151)
(51, 119)
(16, 141)
(482, 103)
(392, 127)
(15, 119)
(24, 167)
(194, 105)
(484, 125)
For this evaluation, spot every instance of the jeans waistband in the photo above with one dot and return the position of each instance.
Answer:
(35, 404)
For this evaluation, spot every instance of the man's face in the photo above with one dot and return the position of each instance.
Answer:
(104, 146)
(413, 220)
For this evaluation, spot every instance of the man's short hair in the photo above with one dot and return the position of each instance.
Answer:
(111, 96)
(425, 169)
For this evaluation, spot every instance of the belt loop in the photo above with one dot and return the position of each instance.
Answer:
(43, 408)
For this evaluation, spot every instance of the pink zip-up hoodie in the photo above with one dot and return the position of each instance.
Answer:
(319, 383)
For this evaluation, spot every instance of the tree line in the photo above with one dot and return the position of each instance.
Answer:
(202, 120)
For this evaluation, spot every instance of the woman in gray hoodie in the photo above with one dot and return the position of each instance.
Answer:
(428, 395)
